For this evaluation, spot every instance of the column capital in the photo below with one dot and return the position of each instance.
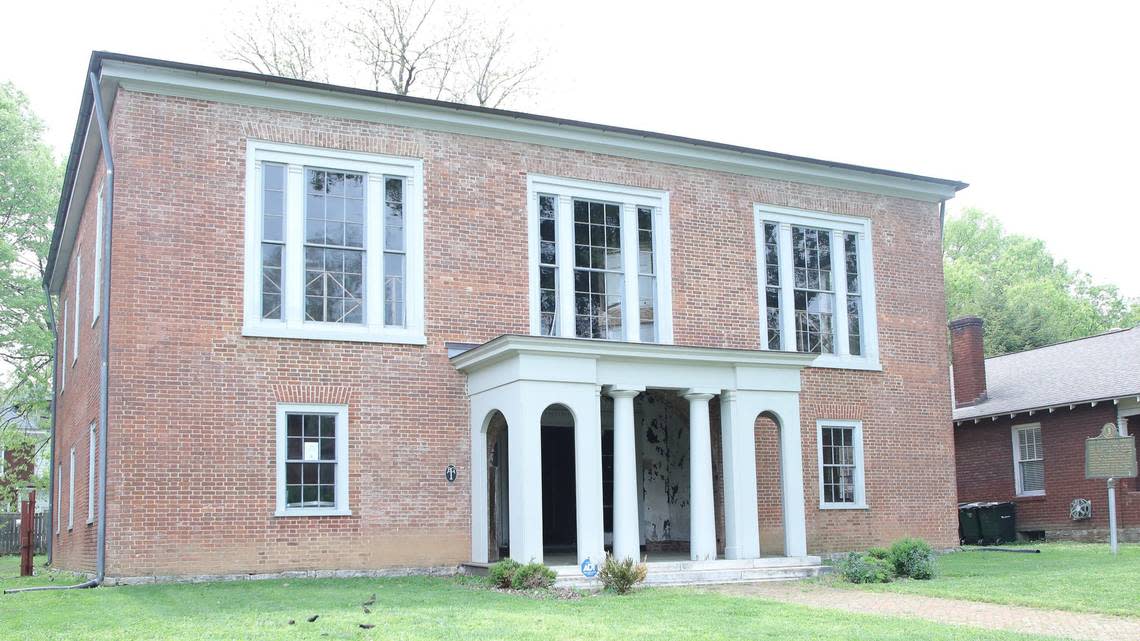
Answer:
(623, 391)
(699, 393)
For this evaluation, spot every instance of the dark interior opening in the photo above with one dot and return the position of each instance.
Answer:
(559, 510)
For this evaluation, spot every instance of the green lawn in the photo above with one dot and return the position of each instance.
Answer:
(1065, 576)
(427, 608)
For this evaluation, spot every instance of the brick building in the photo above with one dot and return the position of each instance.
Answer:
(351, 330)
(1021, 420)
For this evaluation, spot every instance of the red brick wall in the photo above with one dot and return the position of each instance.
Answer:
(192, 475)
(984, 459)
(969, 360)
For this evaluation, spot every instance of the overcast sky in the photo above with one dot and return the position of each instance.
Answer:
(1035, 105)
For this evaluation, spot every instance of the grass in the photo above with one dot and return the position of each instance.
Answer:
(1065, 576)
(428, 608)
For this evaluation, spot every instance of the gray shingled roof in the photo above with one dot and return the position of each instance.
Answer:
(1099, 367)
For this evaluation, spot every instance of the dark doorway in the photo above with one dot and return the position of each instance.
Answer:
(498, 489)
(559, 510)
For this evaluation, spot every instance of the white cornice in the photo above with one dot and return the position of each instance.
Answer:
(251, 92)
(509, 345)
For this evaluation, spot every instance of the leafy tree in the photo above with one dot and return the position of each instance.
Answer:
(1026, 297)
(30, 181)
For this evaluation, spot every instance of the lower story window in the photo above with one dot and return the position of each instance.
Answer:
(312, 460)
(840, 464)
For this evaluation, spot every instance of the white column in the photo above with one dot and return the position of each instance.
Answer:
(627, 538)
(480, 505)
(586, 403)
(738, 453)
(524, 451)
(564, 234)
(702, 518)
(787, 296)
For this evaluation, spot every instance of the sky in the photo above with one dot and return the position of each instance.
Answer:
(1034, 104)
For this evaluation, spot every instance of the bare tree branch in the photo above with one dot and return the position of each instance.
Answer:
(277, 39)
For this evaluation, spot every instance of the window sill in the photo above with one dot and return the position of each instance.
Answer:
(323, 511)
(843, 506)
(357, 334)
(1030, 497)
(832, 361)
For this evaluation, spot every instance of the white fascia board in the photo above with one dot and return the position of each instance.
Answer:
(189, 84)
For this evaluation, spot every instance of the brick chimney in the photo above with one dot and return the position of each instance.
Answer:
(968, 360)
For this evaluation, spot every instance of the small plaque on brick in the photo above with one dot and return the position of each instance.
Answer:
(1110, 455)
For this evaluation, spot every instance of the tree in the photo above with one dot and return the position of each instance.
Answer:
(407, 47)
(1026, 297)
(30, 180)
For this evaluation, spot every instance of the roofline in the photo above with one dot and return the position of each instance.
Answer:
(99, 58)
(1043, 408)
(1109, 332)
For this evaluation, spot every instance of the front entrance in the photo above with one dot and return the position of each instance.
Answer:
(559, 513)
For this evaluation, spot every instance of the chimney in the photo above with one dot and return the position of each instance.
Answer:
(968, 361)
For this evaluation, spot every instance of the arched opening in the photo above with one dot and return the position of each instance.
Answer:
(498, 488)
(559, 500)
(769, 489)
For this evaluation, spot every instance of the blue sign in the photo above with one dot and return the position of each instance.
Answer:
(589, 568)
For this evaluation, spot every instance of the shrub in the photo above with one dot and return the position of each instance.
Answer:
(533, 576)
(502, 573)
(913, 558)
(859, 568)
(621, 576)
(879, 553)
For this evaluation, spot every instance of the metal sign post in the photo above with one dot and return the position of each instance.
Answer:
(1110, 456)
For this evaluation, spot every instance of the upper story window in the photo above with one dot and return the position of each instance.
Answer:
(599, 261)
(1028, 460)
(334, 245)
(817, 286)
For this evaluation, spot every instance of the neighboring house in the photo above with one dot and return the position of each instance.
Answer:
(1021, 420)
(23, 458)
(354, 330)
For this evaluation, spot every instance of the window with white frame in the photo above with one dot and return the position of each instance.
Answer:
(71, 491)
(312, 460)
(334, 245)
(816, 286)
(75, 312)
(1028, 460)
(61, 335)
(91, 473)
(97, 268)
(599, 261)
(840, 445)
(57, 509)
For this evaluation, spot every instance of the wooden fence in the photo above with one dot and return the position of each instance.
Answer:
(10, 533)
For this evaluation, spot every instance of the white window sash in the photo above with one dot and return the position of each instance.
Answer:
(71, 491)
(785, 218)
(1018, 482)
(341, 412)
(75, 313)
(376, 167)
(856, 428)
(58, 507)
(91, 473)
(61, 332)
(97, 271)
(565, 190)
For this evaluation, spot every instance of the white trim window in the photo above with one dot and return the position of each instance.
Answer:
(57, 509)
(334, 245)
(91, 473)
(817, 286)
(61, 333)
(97, 272)
(71, 491)
(312, 460)
(1028, 460)
(840, 452)
(76, 314)
(599, 261)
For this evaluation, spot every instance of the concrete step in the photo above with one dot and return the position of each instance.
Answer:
(708, 572)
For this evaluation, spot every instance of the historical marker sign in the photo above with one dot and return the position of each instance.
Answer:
(1110, 455)
(450, 473)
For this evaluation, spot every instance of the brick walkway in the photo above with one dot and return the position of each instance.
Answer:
(1070, 625)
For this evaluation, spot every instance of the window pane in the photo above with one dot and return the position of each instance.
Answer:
(310, 470)
(1033, 476)
(599, 272)
(334, 256)
(771, 268)
(273, 237)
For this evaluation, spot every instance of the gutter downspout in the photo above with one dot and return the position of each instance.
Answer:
(54, 390)
(105, 352)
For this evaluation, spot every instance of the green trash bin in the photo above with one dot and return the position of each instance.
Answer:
(998, 523)
(969, 529)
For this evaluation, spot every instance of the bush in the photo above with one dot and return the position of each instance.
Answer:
(621, 576)
(859, 568)
(533, 576)
(913, 558)
(879, 553)
(502, 573)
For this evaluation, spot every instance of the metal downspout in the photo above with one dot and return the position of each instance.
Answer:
(105, 351)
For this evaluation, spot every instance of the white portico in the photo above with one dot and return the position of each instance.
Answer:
(513, 383)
